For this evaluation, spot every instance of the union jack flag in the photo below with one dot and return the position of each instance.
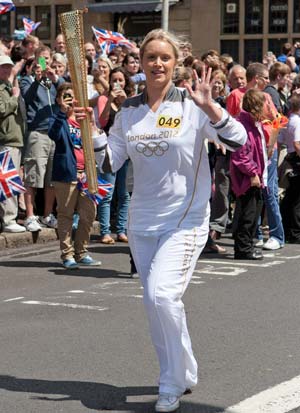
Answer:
(10, 182)
(107, 39)
(30, 25)
(104, 188)
(6, 6)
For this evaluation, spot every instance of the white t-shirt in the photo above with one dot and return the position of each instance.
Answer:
(292, 132)
(171, 173)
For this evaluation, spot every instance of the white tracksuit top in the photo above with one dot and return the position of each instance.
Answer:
(171, 174)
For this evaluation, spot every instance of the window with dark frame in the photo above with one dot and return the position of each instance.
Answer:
(230, 17)
(20, 13)
(230, 47)
(278, 16)
(296, 16)
(4, 24)
(253, 51)
(43, 15)
(61, 8)
(275, 45)
(254, 14)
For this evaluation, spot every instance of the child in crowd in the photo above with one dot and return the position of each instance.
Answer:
(248, 171)
(68, 168)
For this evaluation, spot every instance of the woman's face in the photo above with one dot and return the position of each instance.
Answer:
(217, 85)
(117, 78)
(59, 68)
(103, 69)
(158, 63)
(132, 65)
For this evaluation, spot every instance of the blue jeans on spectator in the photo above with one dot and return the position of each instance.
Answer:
(118, 179)
(272, 202)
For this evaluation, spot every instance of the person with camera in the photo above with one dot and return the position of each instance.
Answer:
(68, 168)
(38, 89)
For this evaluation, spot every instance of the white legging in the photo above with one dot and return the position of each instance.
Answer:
(165, 264)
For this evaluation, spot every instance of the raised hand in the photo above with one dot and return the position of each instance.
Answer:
(201, 95)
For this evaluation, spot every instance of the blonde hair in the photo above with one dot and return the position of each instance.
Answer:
(59, 58)
(106, 60)
(159, 34)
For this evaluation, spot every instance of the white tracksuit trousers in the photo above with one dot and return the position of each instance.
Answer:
(165, 264)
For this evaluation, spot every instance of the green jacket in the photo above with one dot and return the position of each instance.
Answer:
(11, 121)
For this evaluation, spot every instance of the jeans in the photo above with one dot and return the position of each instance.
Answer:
(272, 203)
(119, 181)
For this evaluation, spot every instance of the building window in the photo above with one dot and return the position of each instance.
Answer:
(61, 8)
(4, 24)
(278, 16)
(253, 51)
(275, 45)
(43, 15)
(20, 13)
(230, 17)
(230, 47)
(296, 16)
(254, 17)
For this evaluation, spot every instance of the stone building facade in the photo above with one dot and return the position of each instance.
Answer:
(246, 29)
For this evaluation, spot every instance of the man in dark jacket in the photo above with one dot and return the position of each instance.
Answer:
(39, 93)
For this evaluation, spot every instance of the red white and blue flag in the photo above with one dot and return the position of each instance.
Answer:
(10, 181)
(6, 6)
(30, 25)
(107, 39)
(104, 188)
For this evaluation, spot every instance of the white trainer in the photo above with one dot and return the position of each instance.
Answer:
(167, 403)
(32, 224)
(259, 243)
(272, 244)
(49, 221)
(16, 228)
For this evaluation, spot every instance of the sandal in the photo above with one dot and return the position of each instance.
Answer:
(107, 239)
(122, 238)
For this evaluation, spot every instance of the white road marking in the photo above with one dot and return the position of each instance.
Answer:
(245, 264)
(74, 306)
(232, 271)
(76, 291)
(281, 398)
(13, 299)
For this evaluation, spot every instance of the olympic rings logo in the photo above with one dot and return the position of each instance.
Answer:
(152, 148)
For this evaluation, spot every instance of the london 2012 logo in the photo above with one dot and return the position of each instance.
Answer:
(152, 148)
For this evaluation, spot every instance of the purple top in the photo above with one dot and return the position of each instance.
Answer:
(248, 160)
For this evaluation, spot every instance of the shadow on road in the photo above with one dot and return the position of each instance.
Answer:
(97, 396)
(95, 272)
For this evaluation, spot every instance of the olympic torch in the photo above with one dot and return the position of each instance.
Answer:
(72, 28)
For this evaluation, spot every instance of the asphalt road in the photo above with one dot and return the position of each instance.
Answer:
(77, 341)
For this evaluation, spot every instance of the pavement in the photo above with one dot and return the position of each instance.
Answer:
(18, 240)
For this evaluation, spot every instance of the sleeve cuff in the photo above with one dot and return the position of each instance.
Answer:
(223, 122)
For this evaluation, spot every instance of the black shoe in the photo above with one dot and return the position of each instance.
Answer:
(255, 255)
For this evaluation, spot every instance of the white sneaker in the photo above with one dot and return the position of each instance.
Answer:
(259, 243)
(272, 244)
(49, 221)
(14, 228)
(32, 224)
(167, 403)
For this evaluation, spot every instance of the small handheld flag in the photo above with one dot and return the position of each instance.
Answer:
(10, 181)
(6, 6)
(30, 25)
(104, 188)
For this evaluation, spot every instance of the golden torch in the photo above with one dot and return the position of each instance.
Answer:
(72, 28)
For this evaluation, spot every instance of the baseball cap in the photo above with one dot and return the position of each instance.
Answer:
(6, 60)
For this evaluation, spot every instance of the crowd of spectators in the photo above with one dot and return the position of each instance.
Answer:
(31, 75)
